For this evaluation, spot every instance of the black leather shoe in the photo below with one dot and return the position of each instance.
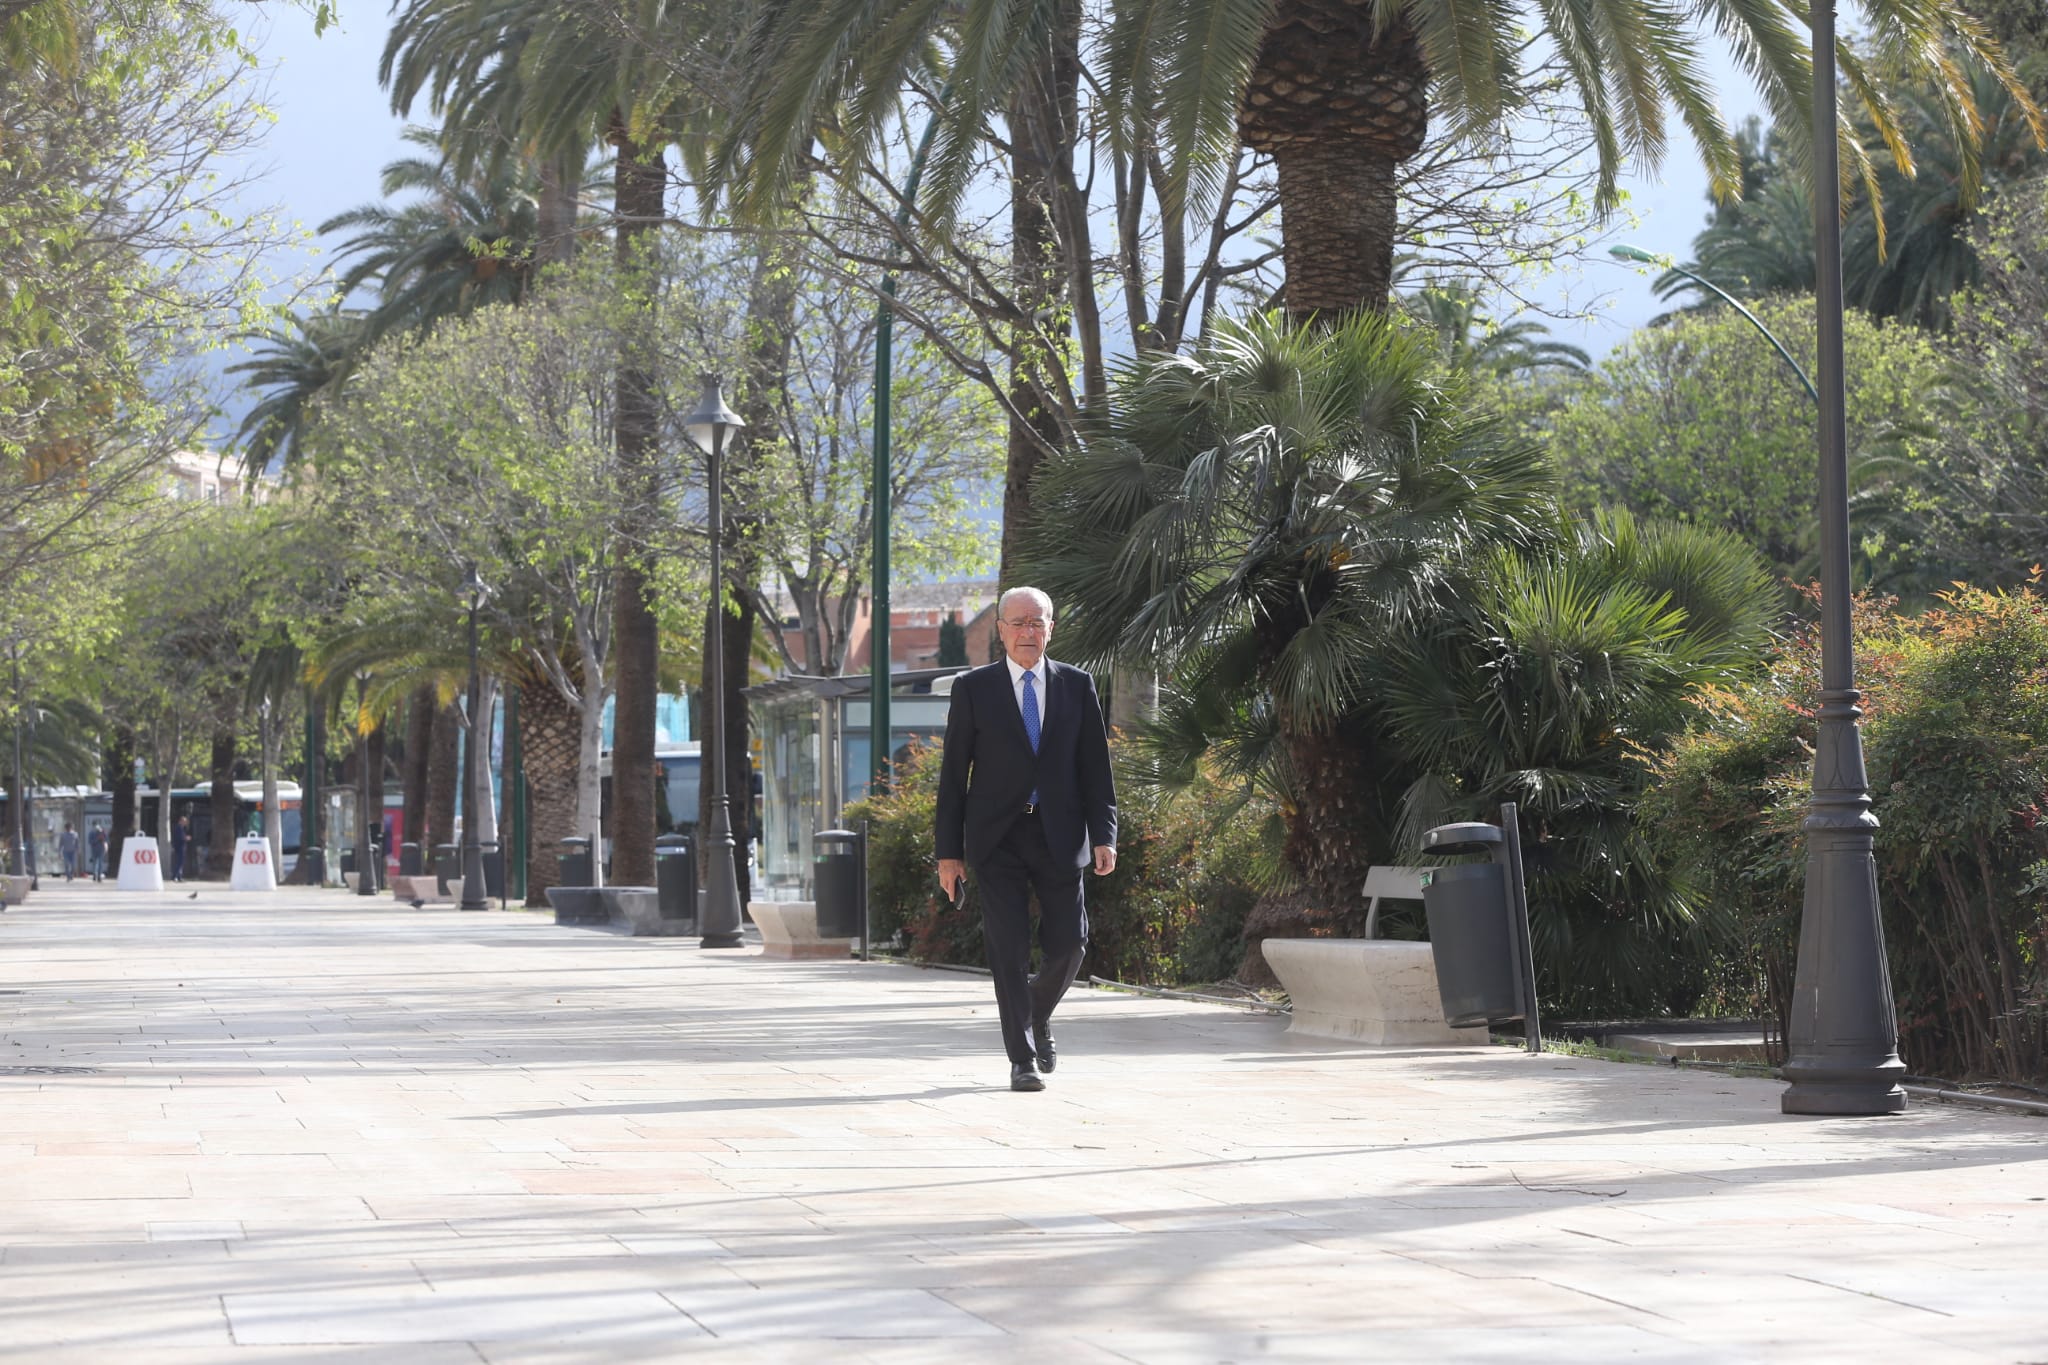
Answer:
(1048, 1055)
(1022, 1078)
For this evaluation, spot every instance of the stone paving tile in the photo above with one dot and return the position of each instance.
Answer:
(318, 1128)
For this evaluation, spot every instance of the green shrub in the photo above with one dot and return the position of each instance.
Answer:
(1172, 912)
(1956, 740)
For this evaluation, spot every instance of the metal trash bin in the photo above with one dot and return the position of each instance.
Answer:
(1479, 927)
(494, 872)
(573, 863)
(411, 863)
(837, 885)
(447, 866)
(675, 877)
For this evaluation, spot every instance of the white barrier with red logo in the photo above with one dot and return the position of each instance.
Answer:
(253, 868)
(141, 869)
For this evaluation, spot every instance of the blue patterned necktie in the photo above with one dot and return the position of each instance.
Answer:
(1031, 721)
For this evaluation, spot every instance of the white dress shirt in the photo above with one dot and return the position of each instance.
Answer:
(1037, 687)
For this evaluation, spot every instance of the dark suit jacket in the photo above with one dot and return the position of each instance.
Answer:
(988, 769)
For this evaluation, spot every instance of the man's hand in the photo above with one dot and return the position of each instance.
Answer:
(952, 876)
(1105, 860)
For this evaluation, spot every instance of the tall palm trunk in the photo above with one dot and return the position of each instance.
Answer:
(639, 194)
(1339, 108)
(1045, 117)
(419, 742)
(555, 213)
(220, 842)
(120, 769)
(443, 782)
(548, 740)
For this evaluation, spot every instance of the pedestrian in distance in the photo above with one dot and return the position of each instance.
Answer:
(67, 851)
(1027, 800)
(181, 839)
(96, 851)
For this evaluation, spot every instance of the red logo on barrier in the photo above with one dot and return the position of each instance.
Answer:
(256, 856)
(145, 856)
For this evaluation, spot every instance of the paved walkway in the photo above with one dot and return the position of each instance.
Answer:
(307, 1127)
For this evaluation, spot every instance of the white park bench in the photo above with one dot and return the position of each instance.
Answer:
(1367, 990)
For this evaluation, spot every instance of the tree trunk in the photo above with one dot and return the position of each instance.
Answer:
(555, 214)
(1039, 277)
(120, 770)
(639, 194)
(1339, 99)
(1338, 210)
(1333, 824)
(548, 727)
(220, 843)
(419, 742)
(444, 781)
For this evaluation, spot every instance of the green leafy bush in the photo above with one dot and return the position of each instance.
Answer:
(1188, 869)
(1956, 739)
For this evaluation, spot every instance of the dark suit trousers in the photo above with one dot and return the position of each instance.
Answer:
(1020, 864)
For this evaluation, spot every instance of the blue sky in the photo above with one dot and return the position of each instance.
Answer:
(335, 131)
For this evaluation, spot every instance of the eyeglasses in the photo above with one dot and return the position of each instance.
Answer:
(1034, 624)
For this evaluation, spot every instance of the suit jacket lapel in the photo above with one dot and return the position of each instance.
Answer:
(1006, 693)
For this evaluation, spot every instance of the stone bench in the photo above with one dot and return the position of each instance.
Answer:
(790, 929)
(14, 890)
(1368, 990)
(424, 889)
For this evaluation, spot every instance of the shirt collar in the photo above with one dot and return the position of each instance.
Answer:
(1017, 673)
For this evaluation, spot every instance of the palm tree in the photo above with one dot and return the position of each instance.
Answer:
(1248, 521)
(534, 74)
(1469, 340)
(463, 242)
(1924, 254)
(296, 365)
(1549, 679)
(1338, 92)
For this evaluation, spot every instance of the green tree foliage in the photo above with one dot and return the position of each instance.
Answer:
(1904, 261)
(122, 254)
(1987, 521)
(1249, 519)
(1549, 679)
(1173, 912)
(1702, 422)
(1955, 711)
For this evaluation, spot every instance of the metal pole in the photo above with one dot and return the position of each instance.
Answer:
(1518, 926)
(880, 727)
(722, 886)
(515, 798)
(366, 877)
(473, 743)
(16, 803)
(311, 844)
(1843, 1034)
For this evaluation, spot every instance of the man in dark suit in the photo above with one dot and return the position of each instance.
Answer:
(1026, 798)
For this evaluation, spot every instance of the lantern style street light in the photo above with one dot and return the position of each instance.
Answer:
(473, 888)
(707, 428)
(1844, 1032)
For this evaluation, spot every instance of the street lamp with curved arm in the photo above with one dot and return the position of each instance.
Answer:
(1642, 257)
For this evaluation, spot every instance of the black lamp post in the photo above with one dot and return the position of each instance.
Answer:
(366, 845)
(1843, 1036)
(17, 806)
(707, 427)
(472, 851)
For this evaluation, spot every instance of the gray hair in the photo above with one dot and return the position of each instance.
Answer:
(1035, 594)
